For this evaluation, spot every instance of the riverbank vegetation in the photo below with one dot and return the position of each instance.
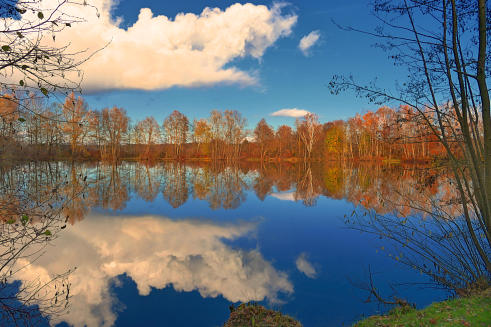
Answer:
(251, 314)
(37, 129)
(467, 311)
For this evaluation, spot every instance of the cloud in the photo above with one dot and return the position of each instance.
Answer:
(155, 252)
(294, 112)
(305, 266)
(159, 52)
(286, 196)
(308, 41)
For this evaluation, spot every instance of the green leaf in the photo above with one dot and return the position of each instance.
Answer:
(21, 83)
(6, 48)
(10, 221)
(21, 119)
(68, 24)
(24, 67)
(24, 220)
(40, 15)
(47, 232)
(44, 91)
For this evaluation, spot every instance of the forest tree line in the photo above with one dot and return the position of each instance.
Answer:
(38, 130)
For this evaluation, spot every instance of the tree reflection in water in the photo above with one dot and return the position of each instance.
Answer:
(383, 188)
(189, 254)
(36, 200)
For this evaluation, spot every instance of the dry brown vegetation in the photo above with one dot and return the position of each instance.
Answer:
(74, 131)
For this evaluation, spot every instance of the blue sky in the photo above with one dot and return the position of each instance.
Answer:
(285, 77)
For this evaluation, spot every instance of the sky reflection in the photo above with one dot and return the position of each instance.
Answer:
(156, 252)
(151, 243)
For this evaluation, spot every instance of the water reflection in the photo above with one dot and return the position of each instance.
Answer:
(155, 252)
(32, 203)
(304, 266)
(201, 255)
(381, 188)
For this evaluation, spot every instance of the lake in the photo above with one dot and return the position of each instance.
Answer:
(175, 244)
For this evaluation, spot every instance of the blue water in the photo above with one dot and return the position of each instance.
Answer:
(151, 264)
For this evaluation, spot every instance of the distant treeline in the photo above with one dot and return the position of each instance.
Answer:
(32, 128)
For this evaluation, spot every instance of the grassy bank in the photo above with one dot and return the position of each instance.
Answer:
(469, 311)
(472, 311)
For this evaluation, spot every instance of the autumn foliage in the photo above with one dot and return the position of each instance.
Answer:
(74, 131)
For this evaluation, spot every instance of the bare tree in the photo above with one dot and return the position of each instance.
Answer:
(443, 44)
(234, 131)
(176, 127)
(147, 133)
(217, 124)
(29, 60)
(308, 130)
(31, 215)
(114, 125)
(74, 112)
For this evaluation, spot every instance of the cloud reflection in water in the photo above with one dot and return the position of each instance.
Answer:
(155, 252)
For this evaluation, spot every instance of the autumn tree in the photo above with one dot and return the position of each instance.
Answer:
(264, 135)
(114, 125)
(201, 132)
(147, 133)
(389, 131)
(8, 115)
(234, 125)
(74, 112)
(308, 130)
(284, 139)
(175, 128)
(217, 124)
(335, 140)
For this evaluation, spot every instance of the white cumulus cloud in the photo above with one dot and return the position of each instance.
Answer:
(159, 52)
(305, 266)
(308, 41)
(293, 112)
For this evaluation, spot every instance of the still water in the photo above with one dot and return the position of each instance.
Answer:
(175, 245)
